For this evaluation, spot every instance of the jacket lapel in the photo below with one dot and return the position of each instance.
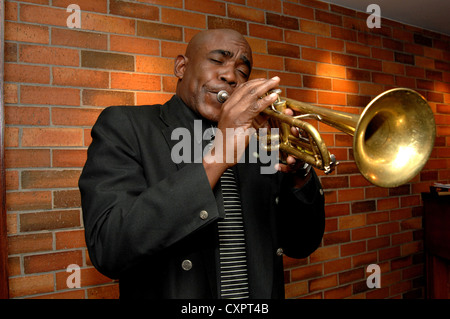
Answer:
(176, 115)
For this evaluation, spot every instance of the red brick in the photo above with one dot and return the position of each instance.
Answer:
(329, 18)
(325, 253)
(16, 201)
(12, 183)
(388, 228)
(75, 117)
(80, 78)
(345, 86)
(265, 32)
(169, 84)
(85, 5)
(132, 81)
(387, 203)
(43, 15)
(107, 98)
(155, 65)
(11, 11)
(106, 60)
(282, 21)
(363, 232)
(30, 285)
(44, 55)
(49, 95)
(206, 6)
(181, 17)
(133, 10)
(317, 82)
(68, 158)
(296, 289)
(330, 44)
(214, 22)
(323, 283)
(282, 49)
(308, 96)
(27, 73)
(50, 179)
(316, 55)
(29, 243)
(79, 39)
(18, 158)
(300, 38)
(351, 275)
(352, 221)
(52, 137)
(331, 70)
(160, 31)
(299, 11)
(67, 199)
(331, 98)
(343, 59)
(382, 54)
(110, 24)
(49, 220)
(269, 5)
(369, 39)
(10, 92)
(51, 261)
(393, 68)
(129, 44)
(343, 33)
(23, 115)
(152, 98)
(26, 33)
(11, 137)
(245, 13)
(315, 27)
(334, 238)
(70, 239)
(104, 292)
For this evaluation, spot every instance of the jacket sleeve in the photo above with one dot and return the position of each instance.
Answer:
(301, 217)
(126, 217)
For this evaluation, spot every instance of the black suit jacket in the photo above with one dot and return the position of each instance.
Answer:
(142, 211)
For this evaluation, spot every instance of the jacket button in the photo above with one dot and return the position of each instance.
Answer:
(280, 252)
(186, 265)
(203, 214)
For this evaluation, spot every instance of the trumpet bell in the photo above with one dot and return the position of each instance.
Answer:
(394, 137)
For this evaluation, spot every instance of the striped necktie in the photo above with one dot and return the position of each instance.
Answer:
(233, 260)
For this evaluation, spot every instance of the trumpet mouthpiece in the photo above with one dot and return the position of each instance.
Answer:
(222, 96)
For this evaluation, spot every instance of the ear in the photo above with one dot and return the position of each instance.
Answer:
(180, 66)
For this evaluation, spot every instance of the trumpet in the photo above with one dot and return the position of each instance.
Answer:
(392, 138)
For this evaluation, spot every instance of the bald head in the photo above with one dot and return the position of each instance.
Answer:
(204, 37)
(215, 60)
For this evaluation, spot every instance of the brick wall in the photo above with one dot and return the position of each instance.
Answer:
(58, 79)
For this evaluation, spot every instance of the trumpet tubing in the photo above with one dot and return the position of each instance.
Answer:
(392, 138)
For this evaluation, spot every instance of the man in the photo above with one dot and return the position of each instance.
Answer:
(166, 229)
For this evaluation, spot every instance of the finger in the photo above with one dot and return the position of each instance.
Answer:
(283, 168)
(253, 91)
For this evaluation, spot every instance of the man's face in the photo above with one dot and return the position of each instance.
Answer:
(217, 61)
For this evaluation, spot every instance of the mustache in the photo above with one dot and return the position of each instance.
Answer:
(218, 88)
